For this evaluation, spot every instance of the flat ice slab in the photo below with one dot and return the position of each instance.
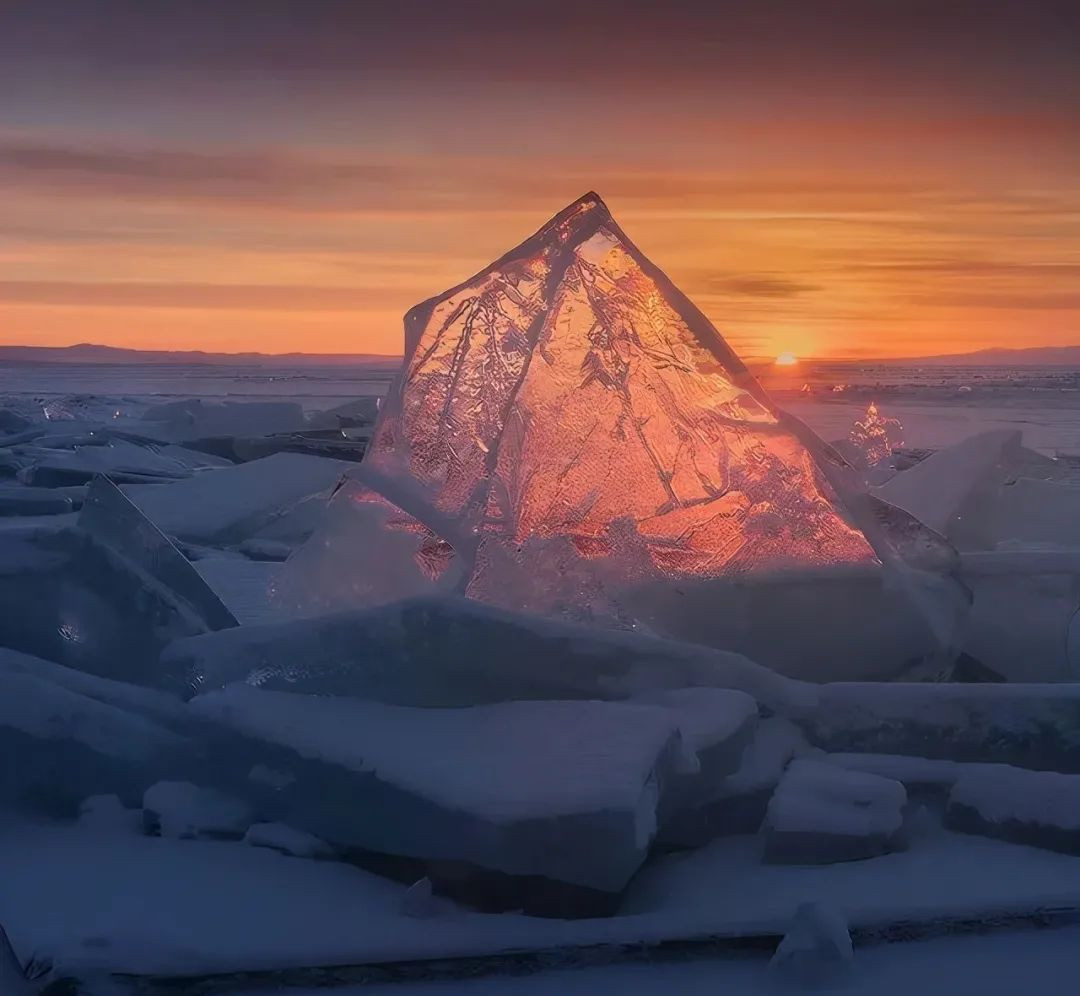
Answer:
(457, 652)
(1040, 808)
(229, 505)
(564, 790)
(821, 813)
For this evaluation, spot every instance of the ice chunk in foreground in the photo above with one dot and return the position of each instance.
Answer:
(817, 948)
(544, 805)
(111, 518)
(229, 505)
(13, 978)
(287, 840)
(820, 813)
(456, 652)
(69, 597)
(1039, 808)
(569, 428)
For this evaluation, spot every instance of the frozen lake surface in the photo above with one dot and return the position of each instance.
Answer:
(937, 405)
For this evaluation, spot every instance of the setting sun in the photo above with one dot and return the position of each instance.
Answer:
(786, 360)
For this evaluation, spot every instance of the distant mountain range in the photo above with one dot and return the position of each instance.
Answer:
(1035, 356)
(86, 352)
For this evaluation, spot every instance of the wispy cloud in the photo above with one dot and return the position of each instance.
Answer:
(251, 297)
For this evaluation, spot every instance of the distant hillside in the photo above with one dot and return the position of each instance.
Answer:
(1050, 356)
(86, 352)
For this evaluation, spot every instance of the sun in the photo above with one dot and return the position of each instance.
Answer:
(786, 360)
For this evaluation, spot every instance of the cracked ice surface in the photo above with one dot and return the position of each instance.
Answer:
(568, 421)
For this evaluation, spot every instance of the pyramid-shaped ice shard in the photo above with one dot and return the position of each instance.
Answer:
(568, 424)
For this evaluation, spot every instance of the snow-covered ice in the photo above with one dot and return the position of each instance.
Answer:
(455, 652)
(569, 791)
(108, 814)
(1041, 808)
(180, 809)
(817, 948)
(824, 813)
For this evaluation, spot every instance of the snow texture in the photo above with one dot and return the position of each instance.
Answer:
(108, 814)
(1041, 808)
(506, 762)
(180, 809)
(823, 813)
(191, 907)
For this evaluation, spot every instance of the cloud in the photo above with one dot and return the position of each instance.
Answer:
(748, 285)
(969, 268)
(1027, 301)
(440, 183)
(252, 297)
(182, 173)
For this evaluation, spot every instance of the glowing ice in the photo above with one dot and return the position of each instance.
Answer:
(568, 425)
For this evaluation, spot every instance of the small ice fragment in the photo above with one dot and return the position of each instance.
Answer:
(106, 813)
(817, 949)
(421, 903)
(287, 840)
(180, 809)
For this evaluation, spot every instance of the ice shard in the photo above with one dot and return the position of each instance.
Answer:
(567, 425)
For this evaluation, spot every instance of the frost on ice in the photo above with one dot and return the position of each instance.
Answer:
(568, 426)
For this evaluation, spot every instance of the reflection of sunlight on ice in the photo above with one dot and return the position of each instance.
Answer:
(877, 435)
(70, 632)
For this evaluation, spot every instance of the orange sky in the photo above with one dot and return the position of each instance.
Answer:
(887, 188)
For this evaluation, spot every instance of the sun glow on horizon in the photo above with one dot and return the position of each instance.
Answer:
(786, 360)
